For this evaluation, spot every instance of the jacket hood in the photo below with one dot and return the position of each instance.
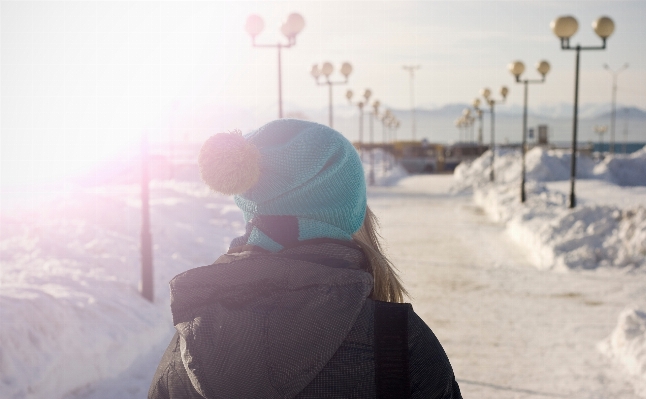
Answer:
(261, 325)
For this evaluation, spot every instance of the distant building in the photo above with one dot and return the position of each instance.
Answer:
(425, 157)
(542, 135)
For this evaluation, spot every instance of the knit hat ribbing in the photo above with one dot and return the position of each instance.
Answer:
(307, 170)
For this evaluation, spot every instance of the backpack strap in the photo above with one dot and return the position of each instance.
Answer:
(391, 350)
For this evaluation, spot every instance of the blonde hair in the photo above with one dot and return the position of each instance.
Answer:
(387, 284)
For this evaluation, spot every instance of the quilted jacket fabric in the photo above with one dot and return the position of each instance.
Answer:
(293, 324)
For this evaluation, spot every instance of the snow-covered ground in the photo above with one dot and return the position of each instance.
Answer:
(69, 303)
(74, 325)
(606, 231)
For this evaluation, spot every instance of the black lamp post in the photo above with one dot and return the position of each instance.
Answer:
(626, 111)
(564, 28)
(326, 70)
(600, 130)
(458, 124)
(478, 111)
(373, 116)
(613, 116)
(472, 122)
(366, 96)
(388, 121)
(462, 123)
(465, 121)
(386, 118)
(517, 68)
(147, 290)
(294, 25)
(486, 94)
(395, 126)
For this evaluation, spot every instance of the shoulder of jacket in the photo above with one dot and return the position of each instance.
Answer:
(236, 256)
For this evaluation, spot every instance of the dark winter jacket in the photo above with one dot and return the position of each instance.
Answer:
(293, 324)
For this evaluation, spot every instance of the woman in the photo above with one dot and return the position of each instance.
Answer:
(304, 304)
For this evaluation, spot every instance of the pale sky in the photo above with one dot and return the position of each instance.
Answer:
(83, 78)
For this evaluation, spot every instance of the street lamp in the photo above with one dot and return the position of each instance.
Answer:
(366, 96)
(411, 69)
(626, 111)
(600, 130)
(387, 119)
(614, 103)
(486, 94)
(459, 123)
(462, 123)
(564, 28)
(375, 114)
(517, 68)
(467, 120)
(391, 124)
(294, 25)
(395, 125)
(326, 70)
(471, 122)
(476, 107)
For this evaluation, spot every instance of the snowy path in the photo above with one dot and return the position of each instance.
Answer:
(510, 330)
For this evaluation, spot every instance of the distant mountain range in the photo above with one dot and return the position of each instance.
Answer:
(437, 124)
(546, 112)
(558, 111)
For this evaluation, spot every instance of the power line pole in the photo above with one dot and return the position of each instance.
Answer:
(613, 115)
(411, 69)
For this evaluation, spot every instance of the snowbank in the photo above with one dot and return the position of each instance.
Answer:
(596, 233)
(386, 171)
(624, 171)
(560, 238)
(69, 303)
(555, 236)
(627, 345)
(544, 165)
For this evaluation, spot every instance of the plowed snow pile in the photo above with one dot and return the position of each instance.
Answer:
(607, 228)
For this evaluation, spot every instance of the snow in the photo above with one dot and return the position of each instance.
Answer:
(627, 345)
(385, 170)
(606, 230)
(624, 171)
(519, 295)
(510, 330)
(69, 300)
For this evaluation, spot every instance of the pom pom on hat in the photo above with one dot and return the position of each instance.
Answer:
(228, 163)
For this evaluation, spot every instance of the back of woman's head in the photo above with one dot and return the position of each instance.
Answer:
(294, 181)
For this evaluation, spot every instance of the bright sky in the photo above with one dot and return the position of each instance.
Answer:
(80, 80)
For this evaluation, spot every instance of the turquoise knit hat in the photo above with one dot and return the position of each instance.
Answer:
(294, 180)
